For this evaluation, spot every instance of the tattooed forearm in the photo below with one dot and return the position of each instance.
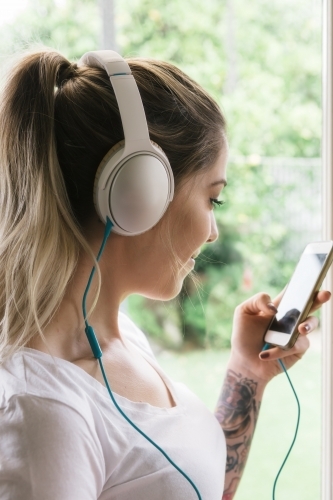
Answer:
(237, 412)
(237, 406)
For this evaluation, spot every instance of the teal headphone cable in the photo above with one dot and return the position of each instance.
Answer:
(97, 352)
(267, 346)
(95, 347)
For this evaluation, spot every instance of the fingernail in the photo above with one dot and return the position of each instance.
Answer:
(264, 355)
(307, 327)
(272, 307)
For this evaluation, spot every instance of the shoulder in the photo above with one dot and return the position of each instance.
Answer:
(38, 394)
(40, 441)
(35, 386)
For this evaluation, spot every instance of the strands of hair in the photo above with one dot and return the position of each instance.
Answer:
(57, 122)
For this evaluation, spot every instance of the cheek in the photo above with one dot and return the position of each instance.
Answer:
(192, 233)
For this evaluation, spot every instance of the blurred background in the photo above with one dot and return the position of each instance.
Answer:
(261, 60)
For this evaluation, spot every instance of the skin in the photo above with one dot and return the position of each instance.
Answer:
(248, 374)
(140, 264)
(145, 265)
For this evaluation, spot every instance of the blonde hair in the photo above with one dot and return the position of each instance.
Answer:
(57, 121)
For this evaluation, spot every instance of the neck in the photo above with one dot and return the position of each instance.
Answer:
(65, 334)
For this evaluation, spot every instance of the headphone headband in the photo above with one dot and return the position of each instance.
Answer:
(109, 60)
(134, 183)
(129, 101)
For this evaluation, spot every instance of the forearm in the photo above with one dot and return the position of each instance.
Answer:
(237, 412)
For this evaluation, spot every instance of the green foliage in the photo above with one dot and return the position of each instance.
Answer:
(160, 320)
(223, 299)
(206, 321)
(260, 59)
(261, 62)
(70, 26)
(145, 317)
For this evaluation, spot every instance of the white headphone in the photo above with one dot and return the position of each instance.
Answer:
(134, 183)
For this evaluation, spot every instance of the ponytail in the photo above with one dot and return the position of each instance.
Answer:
(39, 237)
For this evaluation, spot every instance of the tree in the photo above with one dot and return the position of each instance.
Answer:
(261, 62)
(71, 26)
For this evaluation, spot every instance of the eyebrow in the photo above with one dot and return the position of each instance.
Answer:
(216, 183)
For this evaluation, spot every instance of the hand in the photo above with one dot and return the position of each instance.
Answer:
(250, 322)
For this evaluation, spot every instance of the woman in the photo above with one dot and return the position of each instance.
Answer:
(61, 437)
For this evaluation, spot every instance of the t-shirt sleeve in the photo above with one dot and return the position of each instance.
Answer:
(48, 451)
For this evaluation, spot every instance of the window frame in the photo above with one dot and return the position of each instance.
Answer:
(327, 205)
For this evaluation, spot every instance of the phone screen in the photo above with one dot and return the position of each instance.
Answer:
(298, 292)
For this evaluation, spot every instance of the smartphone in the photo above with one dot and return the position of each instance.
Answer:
(300, 293)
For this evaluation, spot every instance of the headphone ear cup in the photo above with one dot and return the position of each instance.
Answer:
(140, 194)
(118, 147)
(137, 192)
(161, 152)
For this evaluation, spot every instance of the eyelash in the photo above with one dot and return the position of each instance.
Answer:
(216, 203)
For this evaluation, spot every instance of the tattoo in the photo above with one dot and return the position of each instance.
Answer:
(232, 457)
(237, 404)
(237, 412)
(229, 493)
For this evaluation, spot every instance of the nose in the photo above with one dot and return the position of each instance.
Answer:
(214, 233)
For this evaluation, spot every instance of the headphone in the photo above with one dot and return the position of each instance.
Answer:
(134, 182)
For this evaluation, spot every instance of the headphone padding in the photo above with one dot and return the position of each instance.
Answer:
(118, 147)
(138, 192)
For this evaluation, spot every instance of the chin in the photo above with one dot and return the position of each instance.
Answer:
(167, 287)
(165, 293)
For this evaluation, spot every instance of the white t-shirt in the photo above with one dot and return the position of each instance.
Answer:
(61, 437)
